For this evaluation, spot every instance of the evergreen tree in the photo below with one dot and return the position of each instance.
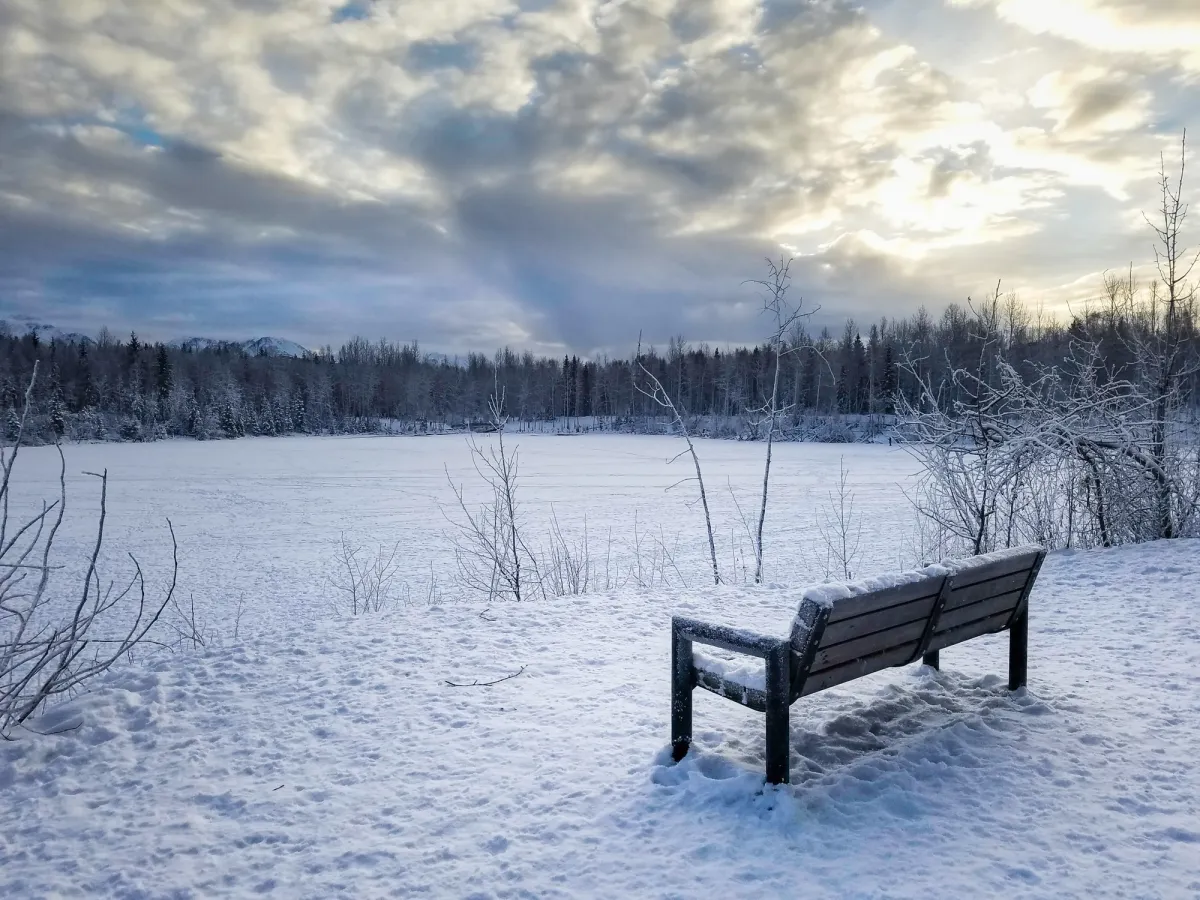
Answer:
(859, 404)
(889, 380)
(585, 390)
(86, 394)
(163, 375)
(58, 404)
(573, 387)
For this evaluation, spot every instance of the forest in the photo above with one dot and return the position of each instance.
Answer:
(111, 389)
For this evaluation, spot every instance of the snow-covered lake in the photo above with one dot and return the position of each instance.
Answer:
(260, 519)
(321, 756)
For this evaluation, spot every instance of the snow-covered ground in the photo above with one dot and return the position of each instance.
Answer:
(259, 519)
(327, 757)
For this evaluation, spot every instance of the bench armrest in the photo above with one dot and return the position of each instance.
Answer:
(736, 639)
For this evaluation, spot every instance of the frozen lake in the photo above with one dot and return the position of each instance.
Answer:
(260, 519)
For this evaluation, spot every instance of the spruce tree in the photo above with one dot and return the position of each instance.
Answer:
(585, 391)
(889, 380)
(58, 404)
(12, 425)
(860, 369)
(573, 387)
(163, 375)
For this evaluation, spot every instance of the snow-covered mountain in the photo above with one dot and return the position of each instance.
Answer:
(193, 343)
(273, 346)
(46, 332)
(270, 346)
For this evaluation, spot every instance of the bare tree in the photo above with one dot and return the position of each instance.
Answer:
(490, 549)
(1167, 348)
(783, 318)
(654, 390)
(51, 643)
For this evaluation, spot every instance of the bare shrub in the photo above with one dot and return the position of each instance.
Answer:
(191, 631)
(364, 580)
(840, 528)
(52, 640)
(567, 567)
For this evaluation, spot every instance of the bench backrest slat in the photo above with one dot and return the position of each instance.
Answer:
(818, 681)
(888, 616)
(968, 576)
(852, 607)
(835, 654)
(996, 622)
(965, 595)
(956, 618)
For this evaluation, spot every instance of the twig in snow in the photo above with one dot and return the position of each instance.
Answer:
(478, 683)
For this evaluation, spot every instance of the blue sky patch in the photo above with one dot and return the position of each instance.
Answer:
(352, 11)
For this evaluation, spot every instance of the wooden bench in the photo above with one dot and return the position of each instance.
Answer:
(835, 639)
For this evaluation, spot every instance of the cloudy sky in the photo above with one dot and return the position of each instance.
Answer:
(560, 174)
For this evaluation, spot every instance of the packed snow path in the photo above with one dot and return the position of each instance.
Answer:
(334, 761)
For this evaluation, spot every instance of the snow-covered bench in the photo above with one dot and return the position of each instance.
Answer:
(845, 631)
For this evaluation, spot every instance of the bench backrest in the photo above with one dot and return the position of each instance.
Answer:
(838, 640)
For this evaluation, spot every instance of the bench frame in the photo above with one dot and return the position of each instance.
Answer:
(788, 662)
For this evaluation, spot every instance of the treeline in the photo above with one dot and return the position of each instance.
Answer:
(132, 390)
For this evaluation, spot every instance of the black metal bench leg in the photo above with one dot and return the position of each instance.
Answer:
(933, 660)
(779, 742)
(1018, 651)
(682, 682)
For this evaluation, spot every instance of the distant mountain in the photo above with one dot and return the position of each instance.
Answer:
(194, 343)
(45, 332)
(273, 346)
(270, 346)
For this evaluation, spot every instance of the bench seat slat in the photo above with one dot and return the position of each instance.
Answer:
(868, 623)
(982, 590)
(819, 681)
(868, 645)
(970, 630)
(1005, 603)
(851, 607)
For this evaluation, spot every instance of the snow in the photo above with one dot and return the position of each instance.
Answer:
(327, 757)
(737, 668)
(258, 519)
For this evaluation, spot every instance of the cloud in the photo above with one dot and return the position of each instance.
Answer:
(560, 174)
(1164, 30)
